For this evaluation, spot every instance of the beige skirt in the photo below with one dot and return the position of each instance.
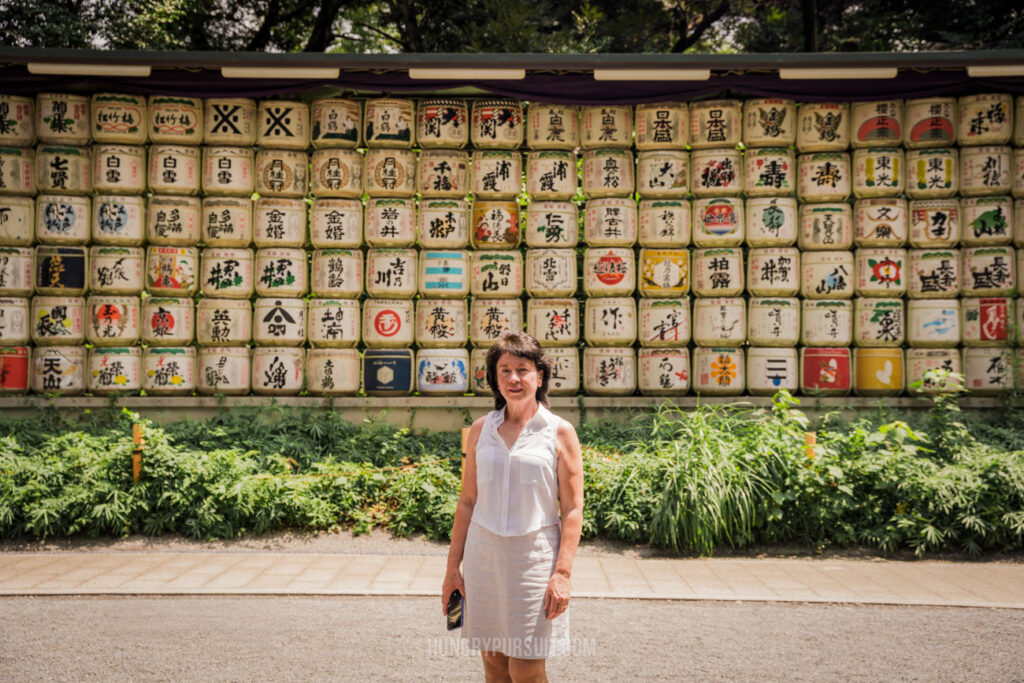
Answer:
(506, 577)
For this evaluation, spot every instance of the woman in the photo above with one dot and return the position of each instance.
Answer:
(523, 469)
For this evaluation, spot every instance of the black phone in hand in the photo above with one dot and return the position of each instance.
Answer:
(455, 610)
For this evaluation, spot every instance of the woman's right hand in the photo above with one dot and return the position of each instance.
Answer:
(452, 581)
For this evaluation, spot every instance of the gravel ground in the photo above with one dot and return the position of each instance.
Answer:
(401, 639)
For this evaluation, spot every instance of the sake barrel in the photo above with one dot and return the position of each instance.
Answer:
(171, 271)
(825, 371)
(224, 370)
(391, 273)
(876, 124)
(985, 321)
(283, 124)
(279, 322)
(553, 322)
(497, 274)
(112, 320)
(62, 119)
(823, 127)
(665, 272)
(17, 221)
(19, 114)
(336, 224)
(388, 323)
(443, 224)
(719, 321)
(58, 320)
(985, 171)
(550, 272)
(332, 372)
(878, 172)
(929, 371)
(118, 220)
(229, 121)
(774, 321)
(497, 124)
(173, 221)
(388, 372)
(878, 372)
(1017, 183)
(444, 274)
(227, 273)
(662, 125)
(119, 169)
(1018, 223)
(62, 219)
(224, 322)
(715, 123)
(172, 322)
(608, 172)
(773, 271)
(282, 173)
(769, 122)
(442, 372)
(663, 223)
(550, 174)
(58, 370)
(564, 363)
(881, 272)
(490, 318)
(226, 222)
(987, 221)
(827, 275)
(827, 323)
(169, 371)
(497, 174)
(116, 270)
(1020, 272)
(14, 369)
(717, 172)
(336, 122)
(988, 271)
(337, 273)
(933, 274)
(772, 221)
(663, 173)
(390, 222)
(663, 372)
(61, 271)
(280, 222)
(442, 323)
(878, 322)
(988, 371)
(62, 169)
(770, 370)
(478, 372)
(825, 227)
(229, 171)
(932, 173)
(14, 323)
(985, 119)
(552, 224)
(174, 169)
(718, 371)
(718, 272)
(610, 321)
(281, 271)
(770, 172)
(495, 225)
(609, 271)
(552, 126)
(664, 322)
(609, 371)
(607, 126)
(933, 323)
(175, 120)
(823, 177)
(389, 123)
(929, 122)
(18, 171)
(934, 223)
(718, 222)
(336, 173)
(442, 123)
(880, 222)
(390, 172)
(1018, 123)
(333, 323)
(278, 371)
(610, 222)
(443, 173)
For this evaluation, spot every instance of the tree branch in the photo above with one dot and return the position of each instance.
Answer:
(690, 37)
(382, 33)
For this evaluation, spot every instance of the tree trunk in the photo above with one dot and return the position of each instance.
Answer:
(810, 12)
(323, 28)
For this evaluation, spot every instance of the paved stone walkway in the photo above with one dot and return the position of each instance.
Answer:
(981, 584)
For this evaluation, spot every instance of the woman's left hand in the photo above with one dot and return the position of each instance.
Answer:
(556, 597)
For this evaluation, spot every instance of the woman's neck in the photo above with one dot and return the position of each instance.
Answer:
(520, 412)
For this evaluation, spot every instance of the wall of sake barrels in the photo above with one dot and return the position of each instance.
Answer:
(174, 246)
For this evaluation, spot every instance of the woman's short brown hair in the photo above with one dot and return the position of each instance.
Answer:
(524, 346)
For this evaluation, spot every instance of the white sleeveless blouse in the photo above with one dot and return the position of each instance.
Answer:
(517, 489)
